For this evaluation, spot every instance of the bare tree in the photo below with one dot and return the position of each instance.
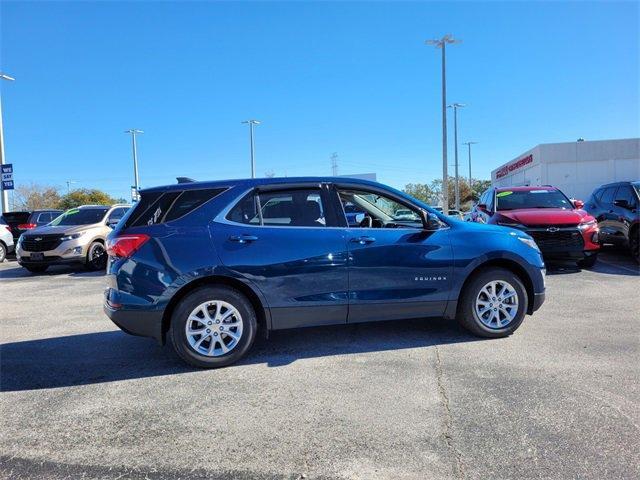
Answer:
(35, 197)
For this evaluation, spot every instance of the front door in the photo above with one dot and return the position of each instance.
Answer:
(280, 241)
(397, 269)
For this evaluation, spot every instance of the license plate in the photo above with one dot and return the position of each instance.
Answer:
(37, 257)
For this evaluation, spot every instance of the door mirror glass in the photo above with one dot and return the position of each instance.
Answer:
(359, 218)
(431, 221)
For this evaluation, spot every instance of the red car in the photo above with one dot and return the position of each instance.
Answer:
(562, 230)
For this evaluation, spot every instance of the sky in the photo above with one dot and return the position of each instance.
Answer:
(322, 77)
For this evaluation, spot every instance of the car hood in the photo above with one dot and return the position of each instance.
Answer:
(546, 216)
(66, 229)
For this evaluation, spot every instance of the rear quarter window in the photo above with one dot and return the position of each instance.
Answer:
(161, 207)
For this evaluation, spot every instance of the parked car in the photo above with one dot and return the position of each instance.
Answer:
(452, 213)
(206, 264)
(616, 207)
(20, 222)
(560, 227)
(6, 239)
(76, 237)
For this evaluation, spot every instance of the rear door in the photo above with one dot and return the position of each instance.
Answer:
(284, 240)
(397, 269)
(609, 228)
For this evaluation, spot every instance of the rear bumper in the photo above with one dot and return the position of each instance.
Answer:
(142, 323)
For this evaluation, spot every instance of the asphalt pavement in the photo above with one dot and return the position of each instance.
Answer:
(417, 399)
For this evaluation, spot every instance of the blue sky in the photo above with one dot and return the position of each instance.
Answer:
(351, 78)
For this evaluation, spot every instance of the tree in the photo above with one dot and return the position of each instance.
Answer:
(85, 196)
(422, 192)
(36, 197)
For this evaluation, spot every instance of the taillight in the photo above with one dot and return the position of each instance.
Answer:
(27, 226)
(126, 245)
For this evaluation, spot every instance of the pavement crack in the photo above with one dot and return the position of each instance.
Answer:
(458, 464)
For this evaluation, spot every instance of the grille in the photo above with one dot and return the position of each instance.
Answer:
(46, 242)
(570, 238)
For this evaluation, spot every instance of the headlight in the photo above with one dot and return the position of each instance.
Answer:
(530, 242)
(73, 236)
(587, 225)
(512, 225)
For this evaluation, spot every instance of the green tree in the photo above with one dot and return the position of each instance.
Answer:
(421, 191)
(85, 196)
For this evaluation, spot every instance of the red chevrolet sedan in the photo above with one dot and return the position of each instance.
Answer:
(560, 227)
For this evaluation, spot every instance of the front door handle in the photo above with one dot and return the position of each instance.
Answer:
(243, 238)
(363, 240)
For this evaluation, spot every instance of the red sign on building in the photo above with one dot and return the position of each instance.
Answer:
(507, 169)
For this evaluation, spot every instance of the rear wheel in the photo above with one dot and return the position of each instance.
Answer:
(588, 262)
(213, 327)
(493, 304)
(634, 244)
(96, 257)
(3, 252)
(36, 268)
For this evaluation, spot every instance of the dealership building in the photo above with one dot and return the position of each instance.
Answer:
(576, 168)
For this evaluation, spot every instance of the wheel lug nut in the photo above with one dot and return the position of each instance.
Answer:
(208, 323)
(217, 321)
(208, 330)
(215, 334)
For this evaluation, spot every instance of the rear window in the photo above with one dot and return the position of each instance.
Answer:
(16, 218)
(161, 207)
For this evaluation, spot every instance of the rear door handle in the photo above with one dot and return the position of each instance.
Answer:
(243, 238)
(363, 240)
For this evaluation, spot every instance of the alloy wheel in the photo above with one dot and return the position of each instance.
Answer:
(214, 328)
(497, 304)
(98, 256)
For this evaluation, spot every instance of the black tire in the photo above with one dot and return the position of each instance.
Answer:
(466, 314)
(179, 318)
(634, 244)
(588, 262)
(3, 252)
(36, 268)
(96, 257)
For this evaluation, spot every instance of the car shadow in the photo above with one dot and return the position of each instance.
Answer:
(611, 261)
(16, 271)
(113, 356)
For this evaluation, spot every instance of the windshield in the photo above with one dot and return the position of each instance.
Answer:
(80, 216)
(517, 199)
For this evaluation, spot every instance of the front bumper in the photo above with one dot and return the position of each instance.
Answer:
(64, 254)
(51, 260)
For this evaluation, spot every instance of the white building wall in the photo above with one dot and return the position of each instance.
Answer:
(577, 168)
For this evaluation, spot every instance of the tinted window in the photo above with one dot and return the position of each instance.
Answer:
(379, 210)
(625, 193)
(117, 214)
(295, 208)
(81, 216)
(607, 195)
(160, 207)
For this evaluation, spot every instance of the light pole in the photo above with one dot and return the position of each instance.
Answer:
(251, 123)
(442, 43)
(455, 107)
(5, 194)
(69, 182)
(468, 144)
(134, 147)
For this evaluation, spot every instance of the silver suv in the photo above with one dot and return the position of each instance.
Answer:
(78, 236)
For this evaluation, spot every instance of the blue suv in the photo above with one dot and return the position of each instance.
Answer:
(207, 264)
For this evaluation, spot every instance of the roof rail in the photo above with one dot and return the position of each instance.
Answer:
(185, 180)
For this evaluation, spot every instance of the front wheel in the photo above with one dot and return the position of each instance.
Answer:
(493, 303)
(588, 262)
(96, 257)
(213, 327)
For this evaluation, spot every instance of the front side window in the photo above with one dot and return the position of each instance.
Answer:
(377, 211)
(607, 195)
(284, 208)
(81, 216)
(518, 199)
(116, 215)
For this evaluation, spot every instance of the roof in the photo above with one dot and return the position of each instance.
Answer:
(525, 189)
(254, 182)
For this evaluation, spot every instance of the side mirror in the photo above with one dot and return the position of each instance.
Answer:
(578, 203)
(112, 223)
(621, 203)
(430, 221)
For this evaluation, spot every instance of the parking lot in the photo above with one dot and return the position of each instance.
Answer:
(391, 400)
